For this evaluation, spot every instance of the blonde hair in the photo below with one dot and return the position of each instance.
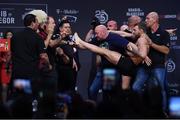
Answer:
(40, 15)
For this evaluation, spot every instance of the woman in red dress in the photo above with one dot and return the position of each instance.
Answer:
(5, 69)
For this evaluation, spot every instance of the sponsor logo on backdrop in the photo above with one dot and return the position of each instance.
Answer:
(171, 66)
(174, 88)
(12, 14)
(135, 11)
(174, 85)
(173, 37)
(176, 47)
(6, 17)
(71, 14)
(173, 40)
(102, 16)
(173, 91)
(170, 16)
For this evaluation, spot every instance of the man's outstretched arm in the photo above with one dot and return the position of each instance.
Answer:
(111, 56)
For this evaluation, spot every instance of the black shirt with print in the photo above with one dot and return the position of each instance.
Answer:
(160, 37)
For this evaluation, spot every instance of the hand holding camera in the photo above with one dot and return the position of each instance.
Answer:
(95, 22)
(50, 29)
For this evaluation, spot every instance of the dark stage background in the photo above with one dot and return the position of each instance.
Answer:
(80, 13)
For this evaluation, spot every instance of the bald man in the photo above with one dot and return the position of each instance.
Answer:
(114, 41)
(112, 25)
(159, 48)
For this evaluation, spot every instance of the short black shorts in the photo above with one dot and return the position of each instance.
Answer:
(126, 66)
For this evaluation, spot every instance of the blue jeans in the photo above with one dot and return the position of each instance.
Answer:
(153, 77)
(141, 78)
(160, 76)
(95, 86)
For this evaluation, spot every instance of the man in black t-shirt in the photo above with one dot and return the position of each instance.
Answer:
(159, 48)
(67, 66)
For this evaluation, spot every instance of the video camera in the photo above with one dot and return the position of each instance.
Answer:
(95, 22)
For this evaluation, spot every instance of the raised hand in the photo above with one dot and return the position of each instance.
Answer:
(74, 66)
(50, 29)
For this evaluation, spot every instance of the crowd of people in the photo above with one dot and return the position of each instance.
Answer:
(128, 65)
